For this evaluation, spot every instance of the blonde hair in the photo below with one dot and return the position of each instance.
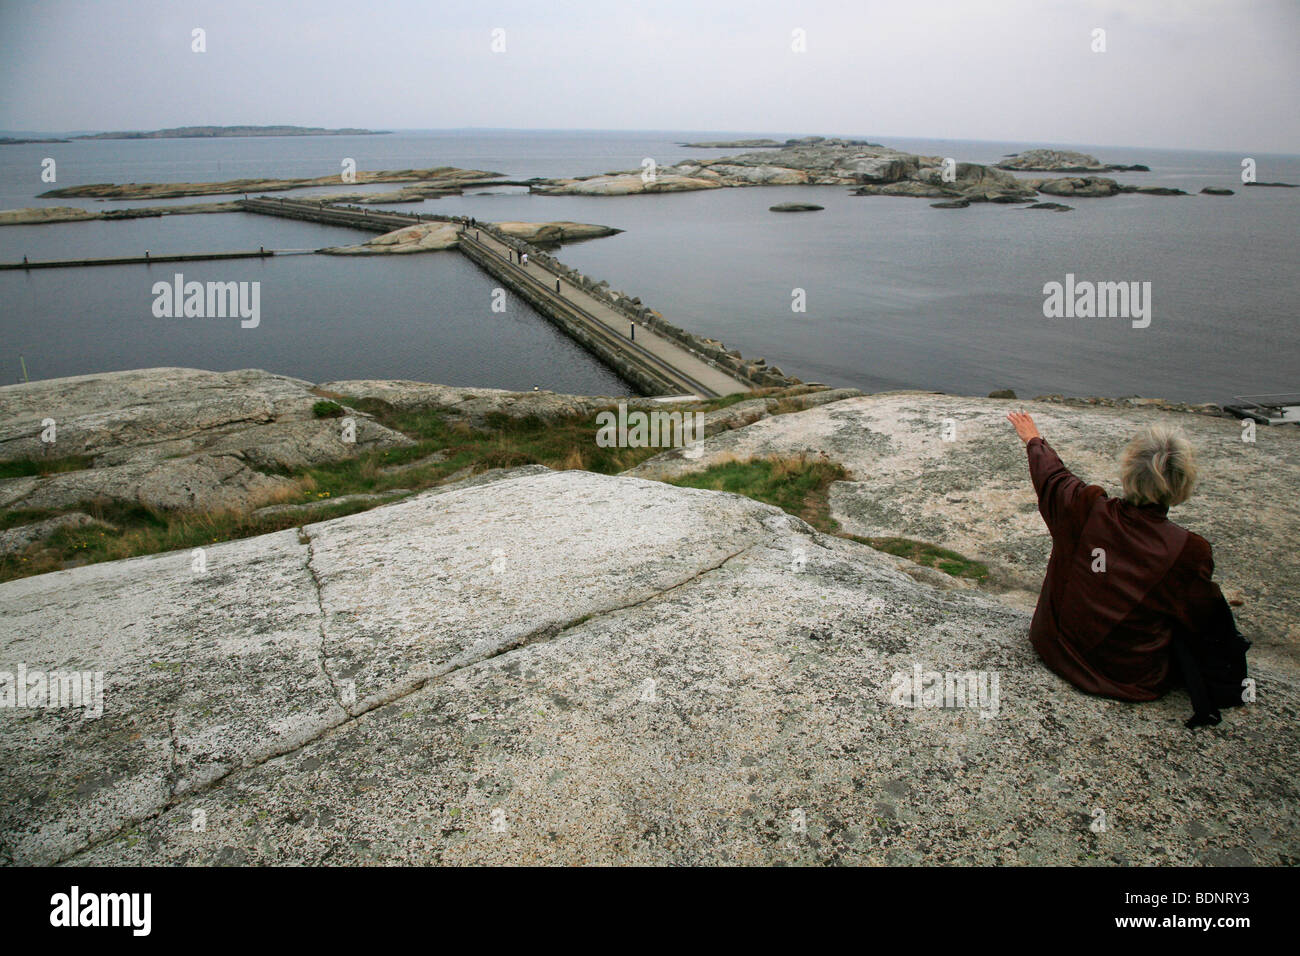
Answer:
(1158, 467)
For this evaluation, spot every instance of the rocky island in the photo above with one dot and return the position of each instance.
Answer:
(434, 236)
(40, 215)
(1063, 161)
(444, 178)
(872, 169)
(875, 170)
(771, 143)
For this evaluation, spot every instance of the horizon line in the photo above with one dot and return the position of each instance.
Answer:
(615, 129)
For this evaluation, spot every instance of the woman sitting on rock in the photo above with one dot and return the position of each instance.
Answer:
(1129, 607)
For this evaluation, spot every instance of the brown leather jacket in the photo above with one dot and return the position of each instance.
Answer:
(1109, 631)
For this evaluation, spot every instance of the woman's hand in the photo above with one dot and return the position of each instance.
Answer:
(1025, 426)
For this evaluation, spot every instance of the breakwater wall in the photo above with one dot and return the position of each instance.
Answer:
(754, 372)
(629, 363)
(324, 212)
(147, 259)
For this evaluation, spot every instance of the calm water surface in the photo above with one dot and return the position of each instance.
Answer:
(899, 295)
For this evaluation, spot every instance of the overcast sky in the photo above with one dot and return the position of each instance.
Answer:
(1208, 74)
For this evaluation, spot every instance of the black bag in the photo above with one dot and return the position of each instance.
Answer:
(1212, 663)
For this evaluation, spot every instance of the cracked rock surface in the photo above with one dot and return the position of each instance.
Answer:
(171, 438)
(564, 667)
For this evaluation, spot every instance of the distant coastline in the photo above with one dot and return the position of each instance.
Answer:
(16, 141)
(209, 132)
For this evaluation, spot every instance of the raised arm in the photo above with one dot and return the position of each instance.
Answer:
(1060, 494)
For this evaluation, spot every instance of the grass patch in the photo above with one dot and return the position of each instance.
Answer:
(32, 467)
(150, 532)
(21, 516)
(327, 409)
(797, 485)
(930, 555)
(504, 442)
(801, 487)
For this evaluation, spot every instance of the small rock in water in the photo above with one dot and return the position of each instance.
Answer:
(1050, 206)
(951, 204)
(1216, 191)
(1002, 393)
(794, 207)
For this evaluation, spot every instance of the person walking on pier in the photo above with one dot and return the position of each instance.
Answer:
(631, 331)
(523, 259)
(557, 285)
